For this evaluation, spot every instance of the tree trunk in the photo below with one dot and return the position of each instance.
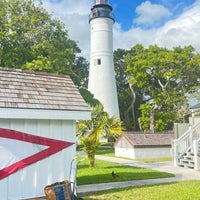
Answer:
(91, 158)
(152, 119)
(131, 107)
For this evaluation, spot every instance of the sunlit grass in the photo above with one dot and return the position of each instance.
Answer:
(155, 159)
(106, 151)
(101, 173)
(186, 190)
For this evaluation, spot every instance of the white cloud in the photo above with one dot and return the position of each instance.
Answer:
(183, 31)
(150, 14)
(74, 14)
(67, 6)
(128, 39)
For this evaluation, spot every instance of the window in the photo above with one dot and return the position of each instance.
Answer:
(97, 61)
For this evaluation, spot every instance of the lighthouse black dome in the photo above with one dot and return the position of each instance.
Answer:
(101, 8)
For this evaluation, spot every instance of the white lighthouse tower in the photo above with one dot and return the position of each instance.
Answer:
(101, 74)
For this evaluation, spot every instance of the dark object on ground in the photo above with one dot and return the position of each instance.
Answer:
(114, 175)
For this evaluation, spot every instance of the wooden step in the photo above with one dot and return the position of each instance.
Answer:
(191, 166)
(186, 165)
(182, 160)
(189, 154)
(188, 157)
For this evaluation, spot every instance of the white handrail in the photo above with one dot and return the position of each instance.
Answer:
(191, 128)
(184, 143)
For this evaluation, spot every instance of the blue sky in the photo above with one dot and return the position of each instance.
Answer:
(127, 10)
(166, 23)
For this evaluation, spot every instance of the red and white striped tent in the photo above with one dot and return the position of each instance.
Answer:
(38, 113)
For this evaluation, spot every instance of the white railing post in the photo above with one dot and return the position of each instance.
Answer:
(191, 135)
(196, 157)
(175, 152)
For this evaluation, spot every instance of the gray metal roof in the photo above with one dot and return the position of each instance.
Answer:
(35, 90)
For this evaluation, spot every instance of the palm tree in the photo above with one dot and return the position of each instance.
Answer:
(100, 125)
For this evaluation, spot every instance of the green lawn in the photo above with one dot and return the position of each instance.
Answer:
(101, 173)
(186, 190)
(106, 150)
(155, 160)
(110, 151)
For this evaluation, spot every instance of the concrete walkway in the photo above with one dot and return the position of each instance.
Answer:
(180, 175)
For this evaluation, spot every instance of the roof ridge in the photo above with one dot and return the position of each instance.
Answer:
(32, 72)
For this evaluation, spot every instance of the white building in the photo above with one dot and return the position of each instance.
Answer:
(144, 146)
(38, 114)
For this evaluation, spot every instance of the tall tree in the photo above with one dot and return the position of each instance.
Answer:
(129, 97)
(80, 72)
(30, 38)
(165, 77)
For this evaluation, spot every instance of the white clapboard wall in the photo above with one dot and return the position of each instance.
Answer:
(30, 181)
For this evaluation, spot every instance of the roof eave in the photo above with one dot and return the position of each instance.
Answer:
(15, 113)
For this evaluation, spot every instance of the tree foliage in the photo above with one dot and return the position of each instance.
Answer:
(80, 72)
(100, 126)
(164, 77)
(129, 97)
(30, 38)
(89, 97)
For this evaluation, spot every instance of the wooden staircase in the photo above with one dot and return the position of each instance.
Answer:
(186, 149)
(187, 160)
